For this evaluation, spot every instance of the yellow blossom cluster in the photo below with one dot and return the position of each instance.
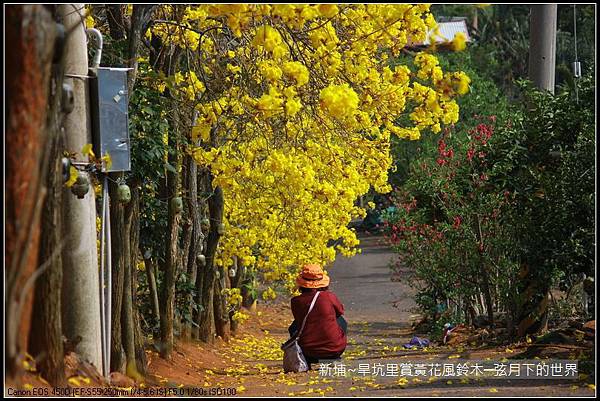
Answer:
(269, 293)
(339, 101)
(240, 317)
(459, 43)
(233, 297)
(298, 104)
(188, 84)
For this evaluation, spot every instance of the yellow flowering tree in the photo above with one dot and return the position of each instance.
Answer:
(301, 101)
(296, 107)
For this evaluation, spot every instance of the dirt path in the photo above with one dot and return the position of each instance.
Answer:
(378, 313)
(251, 363)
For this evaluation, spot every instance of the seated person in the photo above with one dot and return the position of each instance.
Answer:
(324, 335)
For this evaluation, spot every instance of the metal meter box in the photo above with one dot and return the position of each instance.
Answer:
(109, 101)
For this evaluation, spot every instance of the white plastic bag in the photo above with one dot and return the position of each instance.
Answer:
(293, 358)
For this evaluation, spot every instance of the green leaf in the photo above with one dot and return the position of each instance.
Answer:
(170, 168)
(148, 110)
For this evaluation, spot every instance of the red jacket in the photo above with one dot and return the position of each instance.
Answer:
(322, 336)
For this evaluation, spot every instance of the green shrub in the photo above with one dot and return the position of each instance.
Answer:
(503, 209)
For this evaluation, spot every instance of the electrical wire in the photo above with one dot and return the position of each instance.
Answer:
(109, 280)
(575, 29)
(105, 369)
(576, 63)
(105, 280)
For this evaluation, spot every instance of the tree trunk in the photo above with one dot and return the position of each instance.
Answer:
(140, 345)
(171, 253)
(532, 303)
(197, 315)
(139, 338)
(186, 326)
(487, 296)
(116, 21)
(236, 282)
(186, 223)
(45, 341)
(152, 286)
(127, 323)
(215, 207)
(140, 18)
(168, 289)
(165, 59)
(485, 276)
(30, 31)
(197, 237)
(185, 247)
(206, 324)
(512, 310)
(184, 253)
(222, 327)
(190, 272)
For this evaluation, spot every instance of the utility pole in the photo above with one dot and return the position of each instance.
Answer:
(532, 310)
(542, 47)
(81, 285)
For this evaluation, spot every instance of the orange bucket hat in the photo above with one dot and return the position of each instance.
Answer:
(312, 276)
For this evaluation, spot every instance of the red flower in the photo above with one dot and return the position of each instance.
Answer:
(457, 221)
(441, 146)
(483, 131)
(470, 154)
